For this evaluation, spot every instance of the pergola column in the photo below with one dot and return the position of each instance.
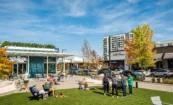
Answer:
(28, 64)
(63, 66)
(77, 65)
(22, 68)
(13, 69)
(47, 66)
(56, 65)
(17, 69)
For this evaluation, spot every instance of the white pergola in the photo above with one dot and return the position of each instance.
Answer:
(41, 54)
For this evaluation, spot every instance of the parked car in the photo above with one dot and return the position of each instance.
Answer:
(154, 69)
(137, 73)
(146, 73)
(161, 72)
(171, 70)
(134, 74)
(104, 70)
(74, 70)
(117, 71)
(126, 72)
(89, 72)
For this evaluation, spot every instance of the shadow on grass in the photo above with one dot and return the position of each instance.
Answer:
(119, 90)
(101, 93)
(100, 88)
(31, 98)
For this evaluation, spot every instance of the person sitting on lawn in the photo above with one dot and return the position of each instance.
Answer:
(50, 78)
(87, 88)
(49, 88)
(35, 92)
(81, 85)
(55, 82)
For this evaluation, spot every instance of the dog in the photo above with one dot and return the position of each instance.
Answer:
(61, 95)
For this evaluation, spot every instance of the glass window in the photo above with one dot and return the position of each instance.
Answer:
(169, 44)
(161, 45)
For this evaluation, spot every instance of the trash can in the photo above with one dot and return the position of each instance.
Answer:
(136, 84)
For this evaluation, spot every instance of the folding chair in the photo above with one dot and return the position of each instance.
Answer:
(156, 101)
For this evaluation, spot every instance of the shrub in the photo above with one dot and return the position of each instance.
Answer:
(158, 80)
(168, 81)
(153, 80)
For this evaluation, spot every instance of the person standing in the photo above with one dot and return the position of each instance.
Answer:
(114, 85)
(124, 84)
(130, 83)
(26, 80)
(105, 84)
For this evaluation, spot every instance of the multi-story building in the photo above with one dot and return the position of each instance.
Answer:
(114, 54)
(164, 54)
(113, 49)
(106, 48)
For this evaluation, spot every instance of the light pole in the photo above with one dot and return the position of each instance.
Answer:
(63, 61)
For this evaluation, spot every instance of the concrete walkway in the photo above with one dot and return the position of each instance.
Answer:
(156, 86)
(71, 82)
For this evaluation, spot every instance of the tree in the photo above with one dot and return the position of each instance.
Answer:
(86, 50)
(90, 55)
(140, 49)
(5, 64)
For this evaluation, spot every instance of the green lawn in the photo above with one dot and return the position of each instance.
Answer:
(80, 97)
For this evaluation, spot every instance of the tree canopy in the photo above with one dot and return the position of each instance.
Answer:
(140, 49)
(20, 44)
(5, 64)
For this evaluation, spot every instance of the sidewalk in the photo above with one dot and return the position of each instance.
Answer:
(156, 86)
(72, 82)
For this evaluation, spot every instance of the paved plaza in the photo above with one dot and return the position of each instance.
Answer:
(72, 82)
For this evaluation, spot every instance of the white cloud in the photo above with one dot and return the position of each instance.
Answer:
(158, 35)
(133, 1)
(163, 2)
(76, 8)
(170, 29)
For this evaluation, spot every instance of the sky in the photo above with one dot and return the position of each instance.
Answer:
(67, 23)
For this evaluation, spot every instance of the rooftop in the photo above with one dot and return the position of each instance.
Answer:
(27, 51)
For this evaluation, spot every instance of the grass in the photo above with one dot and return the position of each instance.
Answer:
(80, 97)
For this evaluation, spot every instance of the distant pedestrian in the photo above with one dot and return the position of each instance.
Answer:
(114, 85)
(130, 83)
(105, 84)
(26, 80)
(124, 84)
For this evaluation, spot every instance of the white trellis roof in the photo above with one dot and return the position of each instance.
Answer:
(45, 54)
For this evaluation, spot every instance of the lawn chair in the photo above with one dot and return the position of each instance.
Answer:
(35, 95)
(156, 101)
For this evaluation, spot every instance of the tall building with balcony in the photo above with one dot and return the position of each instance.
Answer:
(106, 48)
(113, 49)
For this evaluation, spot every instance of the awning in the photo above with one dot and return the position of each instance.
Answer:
(158, 56)
(168, 55)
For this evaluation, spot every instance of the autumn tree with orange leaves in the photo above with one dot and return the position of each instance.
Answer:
(5, 64)
(140, 49)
